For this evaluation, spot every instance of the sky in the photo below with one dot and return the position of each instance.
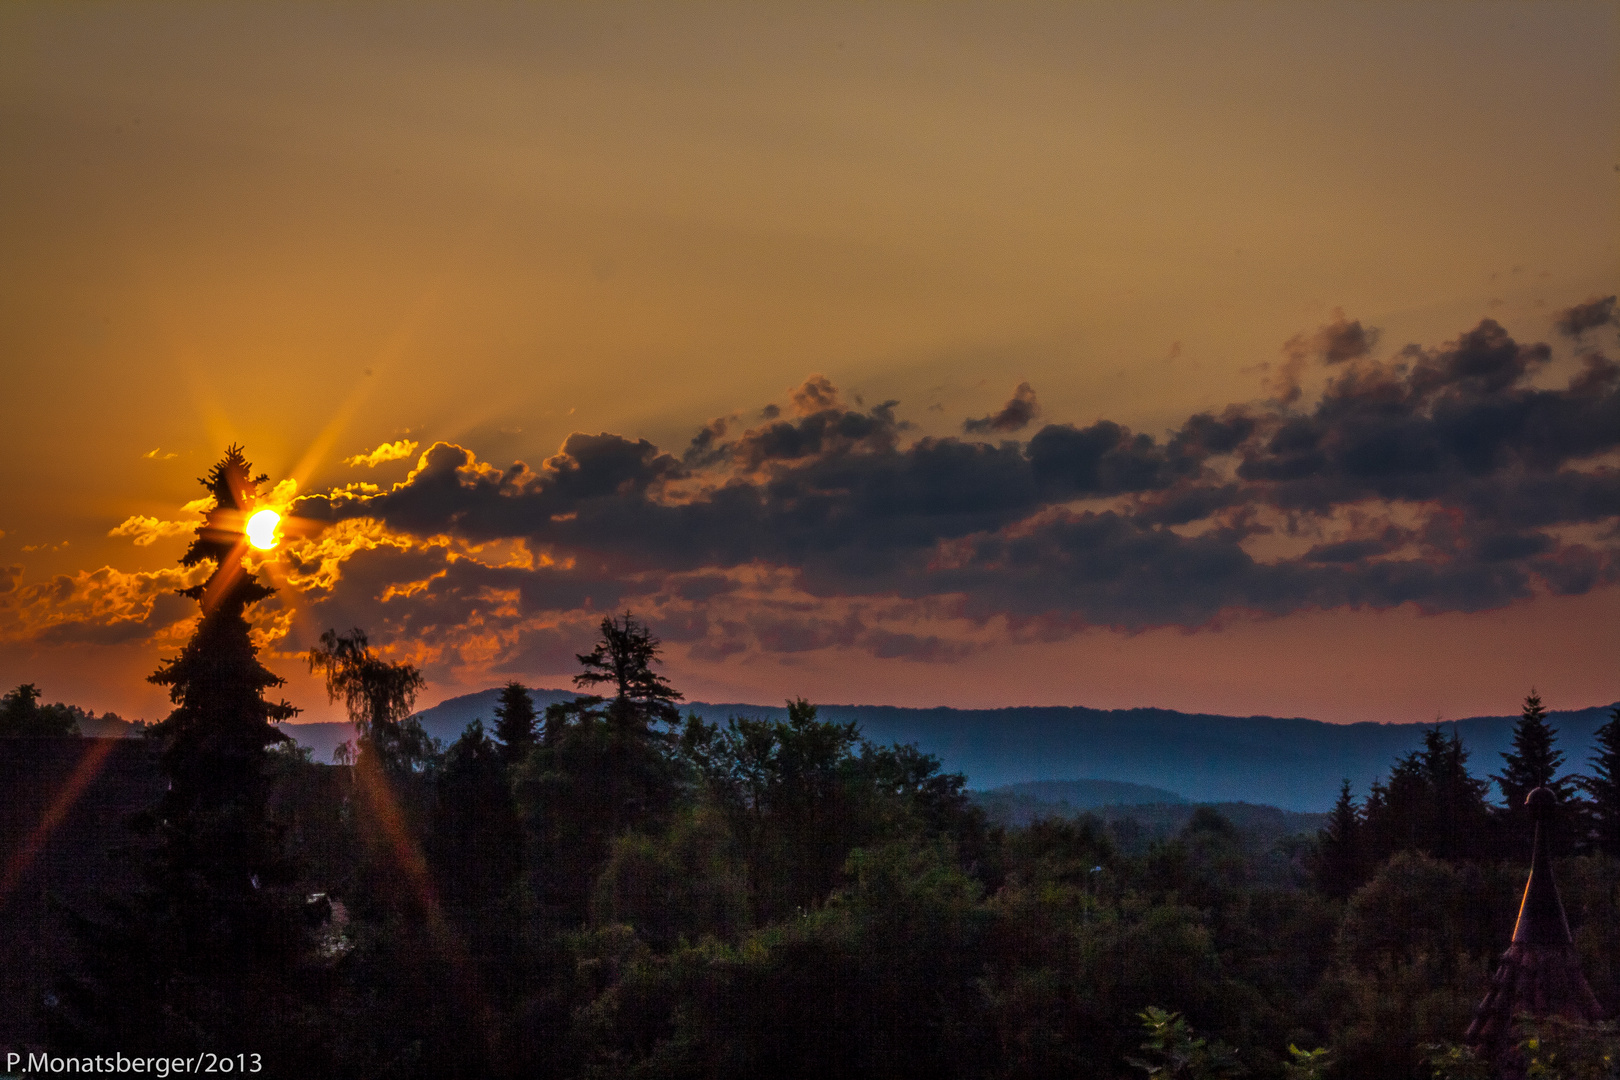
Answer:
(1239, 358)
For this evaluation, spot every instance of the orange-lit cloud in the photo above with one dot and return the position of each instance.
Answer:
(148, 530)
(105, 606)
(394, 451)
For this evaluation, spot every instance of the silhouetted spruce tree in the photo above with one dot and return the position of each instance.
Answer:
(1603, 786)
(1430, 803)
(514, 723)
(476, 843)
(601, 767)
(210, 950)
(623, 660)
(1532, 763)
(1340, 865)
(214, 742)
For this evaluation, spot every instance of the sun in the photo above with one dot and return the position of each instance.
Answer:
(261, 529)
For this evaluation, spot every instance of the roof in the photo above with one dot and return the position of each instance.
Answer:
(1540, 974)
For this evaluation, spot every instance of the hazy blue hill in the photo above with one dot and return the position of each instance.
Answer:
(450, 717)
(1134, 825)
(445, 721)
(1088, 793)
(1019, 804)
(1292, 763)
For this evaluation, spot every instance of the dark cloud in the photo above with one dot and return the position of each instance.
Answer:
(1103, 459)
(842, 504)
(1356, 550)
(929, 648)
(1334, 343)
(1575, 321)
(817, 394)
(1422, 428)
(1016, 415)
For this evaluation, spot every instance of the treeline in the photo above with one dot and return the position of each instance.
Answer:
(1432, 803)
(23, 717)
(608, 889)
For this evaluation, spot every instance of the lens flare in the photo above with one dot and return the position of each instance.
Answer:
(261, 529)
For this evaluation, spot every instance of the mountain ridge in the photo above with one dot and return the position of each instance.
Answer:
(1294, 763)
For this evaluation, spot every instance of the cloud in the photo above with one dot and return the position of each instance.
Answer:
(1333, 343)
(1445, 477)
(105, 606)
(393, 451)
(1016, 415)
(816, 394)
(148, 530)
(157, 454)
(1575, 321)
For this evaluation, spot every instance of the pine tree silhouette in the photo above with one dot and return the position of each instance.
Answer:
(1604, 786)
(1430, 803)
(514, 723)
(1339, 857)
(623, 659)
(211, 947)
(1533, 763)
(214, 742)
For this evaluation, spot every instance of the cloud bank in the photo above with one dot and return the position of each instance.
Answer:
(1460, 477)
(1454, 478)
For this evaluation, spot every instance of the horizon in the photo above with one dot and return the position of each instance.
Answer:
(1244, 361)
(1033, 705)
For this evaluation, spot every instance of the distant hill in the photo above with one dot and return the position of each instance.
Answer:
(1292, 763)
(444, 721)
(1134, 825)
(1019, 804)
(1085, 794)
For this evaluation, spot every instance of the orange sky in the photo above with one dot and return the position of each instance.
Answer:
(317, 230)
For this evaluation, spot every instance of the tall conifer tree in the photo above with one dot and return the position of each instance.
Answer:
(214, 742)
(211, 948)
(623, 660)
(514, 723)
(1532, 763)
(1339, 861)
(1603, 786)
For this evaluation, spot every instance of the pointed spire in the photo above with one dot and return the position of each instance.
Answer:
(1541, 912)
(1540, 974)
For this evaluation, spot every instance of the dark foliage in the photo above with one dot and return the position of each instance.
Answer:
(1340, 863)
(378, 696)
(1534, 763)
(515, 723)
(1603, 787)
(23, 717)
(622, 660)
(476, 842)
(1430, 803)
(785, 898)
